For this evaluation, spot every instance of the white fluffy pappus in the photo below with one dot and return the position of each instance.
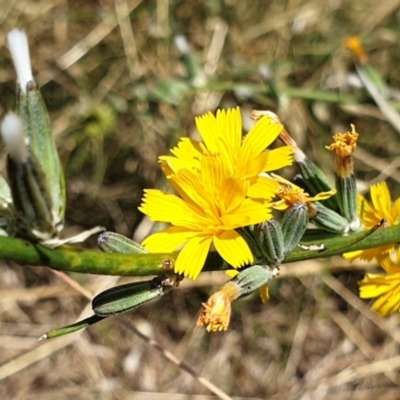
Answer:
(13, 135)
(181, 44)
(19, 49)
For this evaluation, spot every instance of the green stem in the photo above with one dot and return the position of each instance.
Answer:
(95, 262)
(299, 93)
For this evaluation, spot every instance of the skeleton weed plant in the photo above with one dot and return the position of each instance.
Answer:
(230, 211)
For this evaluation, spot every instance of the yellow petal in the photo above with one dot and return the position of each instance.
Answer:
(212, 172)
(380, 197)
(387, 303)
(165, 207)
(278, 158)
(323, 195)
(160, 206)
(395, 212)
(373, 285)
(386, 263)
(208, 128)
(260, 136)
(368, 254)
(192, 190)
(230, 125)
(192, 257)
(264, 294)
(188, 150)
(369, 216)
(249, 213)
(263, 188)
(352, 255)
(233, 249)
(168, 240)
(232, 194)
(252, 169)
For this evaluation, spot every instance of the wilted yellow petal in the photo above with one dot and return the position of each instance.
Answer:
(323, 195)
(264, 294)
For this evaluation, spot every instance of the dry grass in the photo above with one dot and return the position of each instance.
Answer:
(119, 96)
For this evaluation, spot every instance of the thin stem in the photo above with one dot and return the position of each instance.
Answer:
(95, 262)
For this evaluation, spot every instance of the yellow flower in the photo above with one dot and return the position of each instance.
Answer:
(385, 287)
(211, 206)
(371, 214)
(353, 43)
(344, 145)
(243, 158)
(290, 194)
(217, 311)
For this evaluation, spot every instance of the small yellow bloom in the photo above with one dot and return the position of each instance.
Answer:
(353, 43)
(344, 145)
(371, 214)
(385, 287)
(210, 208)
(217, 311)
(290, 194)
(244, 158)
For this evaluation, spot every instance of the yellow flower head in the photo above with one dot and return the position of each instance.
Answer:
(385, 287)
(371, 214)
(353, 43)
(244, 158)
(344, 145)
(212, 204)
(217, 311)
(290, 194)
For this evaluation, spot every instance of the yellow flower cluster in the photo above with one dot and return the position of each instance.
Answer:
(220, 188)
(385, 287)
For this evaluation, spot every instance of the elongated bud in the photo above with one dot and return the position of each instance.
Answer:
(252, 278)
(344, 146)
(118, 300)
(30, 195)
(40, 180)
(125, 297)
(111, 242)
(217, 311)
(294, 224)
(271, 241)
(329, 220)
(193, 67)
